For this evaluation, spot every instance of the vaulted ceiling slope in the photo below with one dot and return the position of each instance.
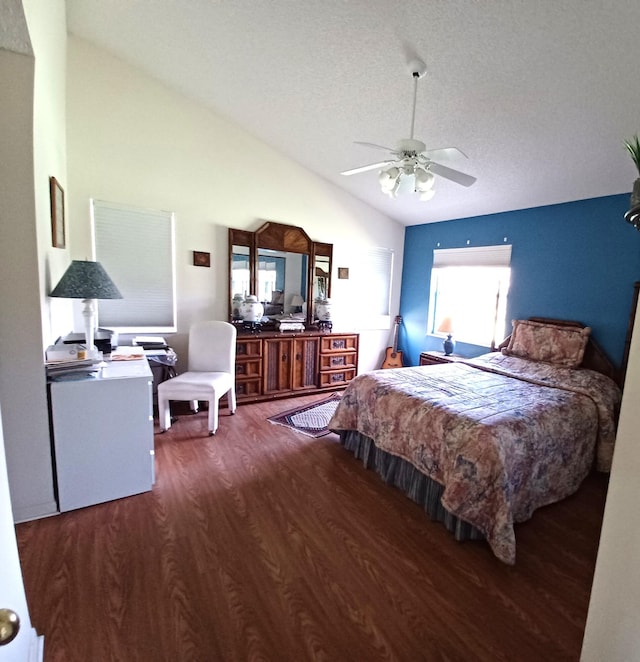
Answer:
(539, 95)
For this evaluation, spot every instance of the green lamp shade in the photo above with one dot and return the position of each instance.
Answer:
(86, 280)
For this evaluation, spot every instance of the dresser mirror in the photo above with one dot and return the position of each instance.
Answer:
(279, 264)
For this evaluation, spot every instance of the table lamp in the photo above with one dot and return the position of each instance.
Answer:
(296, 303)
(87, 281)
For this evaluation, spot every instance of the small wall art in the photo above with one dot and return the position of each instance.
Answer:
(343, 273)
(201, 259)
(56, 192)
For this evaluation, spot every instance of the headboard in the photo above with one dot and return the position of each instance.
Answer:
(594, 356)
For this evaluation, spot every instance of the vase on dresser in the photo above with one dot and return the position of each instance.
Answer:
(251, 309)
(236, 306)
(323, 310)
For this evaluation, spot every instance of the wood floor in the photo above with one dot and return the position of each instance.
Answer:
(263, 544)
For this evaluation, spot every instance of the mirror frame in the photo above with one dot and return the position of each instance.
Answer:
(279, 237)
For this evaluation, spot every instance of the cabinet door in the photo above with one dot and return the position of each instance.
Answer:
(103, 438)
(277, 372)
(305, 363)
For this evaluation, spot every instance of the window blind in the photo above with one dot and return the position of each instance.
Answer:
(136, 248)
(476, 256)
(371, 282)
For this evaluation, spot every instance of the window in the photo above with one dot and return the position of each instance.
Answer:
(468, 296)
(271, 272)
(136, 248)
(371, 281)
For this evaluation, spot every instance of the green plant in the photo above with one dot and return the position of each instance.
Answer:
(633, 146)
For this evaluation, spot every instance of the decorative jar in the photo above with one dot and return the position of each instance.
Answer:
(252, 310)
(236, 306)
(323, 310)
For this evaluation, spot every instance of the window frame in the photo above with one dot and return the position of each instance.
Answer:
(482, 257)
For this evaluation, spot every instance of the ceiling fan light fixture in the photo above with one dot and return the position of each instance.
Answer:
(389, 181)
(424, 180)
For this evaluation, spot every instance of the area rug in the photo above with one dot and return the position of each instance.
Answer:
(312, 419)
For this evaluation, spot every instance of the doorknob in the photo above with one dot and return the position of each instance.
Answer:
(9, 626)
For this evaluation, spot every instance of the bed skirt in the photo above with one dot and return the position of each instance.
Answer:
(403, 475)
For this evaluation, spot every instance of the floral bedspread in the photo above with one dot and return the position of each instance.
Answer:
(503, 435)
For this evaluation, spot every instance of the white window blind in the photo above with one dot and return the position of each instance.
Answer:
(371, 282)
(476, 256)
(136, 248)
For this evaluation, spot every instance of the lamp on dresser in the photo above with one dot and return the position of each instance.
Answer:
(88, 281)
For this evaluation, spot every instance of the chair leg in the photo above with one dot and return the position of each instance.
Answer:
(213, 415)
(231, 399)
(194, 406)
(164, 413)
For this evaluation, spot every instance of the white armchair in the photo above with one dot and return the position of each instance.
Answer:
(210, 373)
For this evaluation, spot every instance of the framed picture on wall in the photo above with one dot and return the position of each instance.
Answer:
(201, 259)
(56, 191)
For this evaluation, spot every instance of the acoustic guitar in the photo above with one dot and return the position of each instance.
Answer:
(393, 357)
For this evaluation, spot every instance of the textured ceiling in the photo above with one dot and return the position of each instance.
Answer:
(14, 34)
(539, 95)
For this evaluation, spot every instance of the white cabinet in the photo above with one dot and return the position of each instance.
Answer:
(103, 434)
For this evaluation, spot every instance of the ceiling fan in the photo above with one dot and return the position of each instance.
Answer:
(411, 164)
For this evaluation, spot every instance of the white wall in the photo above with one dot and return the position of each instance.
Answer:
(32, 130)
(132, 140)
(612, 631)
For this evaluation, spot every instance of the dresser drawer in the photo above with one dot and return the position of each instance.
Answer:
(249, 368)
(248, 388)
(249, 348)
(332, 344)
(336, 361)
(336, 377)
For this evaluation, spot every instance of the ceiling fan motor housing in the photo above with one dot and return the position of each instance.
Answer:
(411, 146)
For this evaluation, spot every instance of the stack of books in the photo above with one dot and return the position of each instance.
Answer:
(79, 367)
(150, 342)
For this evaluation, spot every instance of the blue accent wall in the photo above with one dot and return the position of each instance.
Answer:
(577, 260)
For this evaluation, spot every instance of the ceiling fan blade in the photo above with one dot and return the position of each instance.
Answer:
(372, 166)
(445, 154)
(386, 149)
(454, 175)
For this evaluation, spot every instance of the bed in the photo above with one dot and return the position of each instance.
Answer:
(484, 442)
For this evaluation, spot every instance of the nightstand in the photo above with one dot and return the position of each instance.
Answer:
(434, 357)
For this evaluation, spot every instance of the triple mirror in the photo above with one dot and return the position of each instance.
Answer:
(282, 267)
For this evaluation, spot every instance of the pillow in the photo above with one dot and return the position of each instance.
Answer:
(550, 343)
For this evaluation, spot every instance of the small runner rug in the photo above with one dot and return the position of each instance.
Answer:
(312, 419)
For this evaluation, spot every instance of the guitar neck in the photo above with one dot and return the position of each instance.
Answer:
(396, 326)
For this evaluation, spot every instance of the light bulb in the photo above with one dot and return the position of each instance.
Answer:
(424, 180)
(387, 178)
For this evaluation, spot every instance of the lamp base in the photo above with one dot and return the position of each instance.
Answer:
(89, 314)
(449, 345)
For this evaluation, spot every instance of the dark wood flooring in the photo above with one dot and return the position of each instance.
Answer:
(263, 544)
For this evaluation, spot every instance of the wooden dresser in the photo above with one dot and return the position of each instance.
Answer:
(277, 365)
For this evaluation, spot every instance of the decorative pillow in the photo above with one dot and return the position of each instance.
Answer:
(551, 343)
